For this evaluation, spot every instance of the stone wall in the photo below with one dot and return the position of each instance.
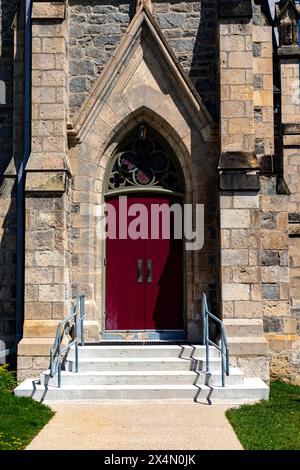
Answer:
(47, 287)
(7, 179)
(263, 90)
(96, 29)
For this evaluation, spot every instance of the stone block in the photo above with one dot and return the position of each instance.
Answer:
(270, 258)
(40, 240)
(38, 275)
(270, 291)
(240, 125)
(247, 200)
(24, 362)
(247, 309)
(50, 258)
(58, 310)
(48, 10)
(40, 363)
(268, 220)
(43, 61)
(46, 181)
(40, 328)
(51, 293)
(38, 310)
(255, 367)
(273, 203)
(274, 240)
(234, 257)
(273, 325)
(246, 275)
(272, 274)
(275, 309)
(244, 238)
(240, 60)
(235, 218)
(235, 291)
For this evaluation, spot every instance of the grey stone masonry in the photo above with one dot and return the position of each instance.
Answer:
(95, 30)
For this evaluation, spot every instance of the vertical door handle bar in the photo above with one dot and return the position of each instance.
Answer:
(140, 270)
(149, 270)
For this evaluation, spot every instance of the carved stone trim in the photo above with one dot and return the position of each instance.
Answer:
(288, 52)
(239, 181)
(291, 129)
(49, 10)
(238, 161)
(45, 181)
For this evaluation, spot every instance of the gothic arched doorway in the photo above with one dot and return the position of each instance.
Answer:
(144, 247)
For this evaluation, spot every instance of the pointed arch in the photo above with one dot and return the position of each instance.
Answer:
(164, 129)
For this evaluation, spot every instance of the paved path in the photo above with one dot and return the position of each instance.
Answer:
(137, 426)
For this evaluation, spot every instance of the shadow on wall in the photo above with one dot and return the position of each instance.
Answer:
(7, 175)
(204, 73)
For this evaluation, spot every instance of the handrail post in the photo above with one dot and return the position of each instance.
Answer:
(207, 340)
(227, 361)
(58, 356)
(222, 358)
(76, 337)
(203, 321)
(51, 363)
(82, 318)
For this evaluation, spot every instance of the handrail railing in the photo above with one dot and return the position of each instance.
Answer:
(224, 349)
(78, 316)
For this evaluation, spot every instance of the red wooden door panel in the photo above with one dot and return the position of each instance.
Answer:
(164, 276)
(154, 299)
(125, 296)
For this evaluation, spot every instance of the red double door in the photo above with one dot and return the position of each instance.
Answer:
(144, 277)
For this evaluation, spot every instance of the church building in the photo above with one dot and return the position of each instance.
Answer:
(151, 102)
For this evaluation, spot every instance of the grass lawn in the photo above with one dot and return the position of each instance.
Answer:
(20, 420)
(270, 425)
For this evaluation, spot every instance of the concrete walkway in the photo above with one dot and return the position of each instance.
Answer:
(134, 426)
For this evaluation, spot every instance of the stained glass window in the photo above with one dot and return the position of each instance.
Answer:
(145, 162)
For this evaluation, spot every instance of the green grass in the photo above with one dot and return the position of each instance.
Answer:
(270, 425)
(20, 420)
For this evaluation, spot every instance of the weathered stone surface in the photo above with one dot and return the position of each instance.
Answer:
(235, 257)
(285, 366)
(235, 218)
(270, 291)
(247, 309)
(48, 10)
(235, 291)
(46, 181)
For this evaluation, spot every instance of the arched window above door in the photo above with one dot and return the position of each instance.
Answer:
(145, 161)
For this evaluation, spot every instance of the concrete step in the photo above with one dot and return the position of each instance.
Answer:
(184, 351)
(106, 392)
(141, 364)
(142, 378)
(251, 390)
(124, 364)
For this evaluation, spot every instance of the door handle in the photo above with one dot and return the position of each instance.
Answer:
(140, 270)
(149, 270)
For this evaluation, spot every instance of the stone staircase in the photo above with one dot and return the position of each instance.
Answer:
(150, 372)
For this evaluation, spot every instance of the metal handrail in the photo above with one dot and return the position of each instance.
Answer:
(56, 351)
(224, 348)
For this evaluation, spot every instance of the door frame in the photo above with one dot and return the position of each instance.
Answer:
(141, 191)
